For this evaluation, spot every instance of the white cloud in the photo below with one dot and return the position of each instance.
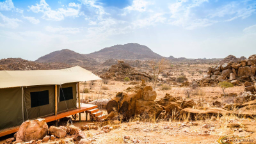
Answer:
(250, 29)
(73, 5)
(156, 18)
(138, 5)
(62, 30)
(234, 10)
(6, 5)
(55, 15)
(32, 19)
(9, 22)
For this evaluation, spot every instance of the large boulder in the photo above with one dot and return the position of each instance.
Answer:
(253, 58)
(148, 108)
(57, 131)
(148, 93)
(226, 73)
(32, 130)
(244, 71)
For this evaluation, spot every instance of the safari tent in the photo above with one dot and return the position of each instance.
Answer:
(39, 93)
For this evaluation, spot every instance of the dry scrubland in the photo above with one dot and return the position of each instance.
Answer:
(164, 130)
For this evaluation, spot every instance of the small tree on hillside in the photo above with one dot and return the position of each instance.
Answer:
(158, 67)
(225, 85)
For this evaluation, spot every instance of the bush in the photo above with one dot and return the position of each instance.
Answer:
(165, 87)
(181, 79)
(225, 85)
(86, 90)
(127, 79)
(104, 88)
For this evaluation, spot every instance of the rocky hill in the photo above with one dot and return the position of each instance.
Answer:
(127, 51)
(69, 57)
(21, 64)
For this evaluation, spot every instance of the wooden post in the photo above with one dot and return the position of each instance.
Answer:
(22, 103)
(56, 102)
(79, 105)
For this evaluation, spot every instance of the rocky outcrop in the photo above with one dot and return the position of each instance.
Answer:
(122, 70)
(234, 70)
(32, 130)
(138, 101)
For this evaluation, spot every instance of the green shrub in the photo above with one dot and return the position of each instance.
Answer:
(165, 87)
(86, 90)
(127, 79)
(181, 79)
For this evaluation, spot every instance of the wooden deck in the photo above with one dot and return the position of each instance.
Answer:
(84, 107)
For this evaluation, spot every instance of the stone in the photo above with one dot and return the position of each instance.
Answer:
(57, 131)
(246, 84)
(46, 139)
(253, 69)
(32, 130)
(250, 88)
(244, 71)
(232, 76)
(52, 137)
(243, 63)
(236, 66)
(9, 140)
(225, 66)
(226, 73)
(84, 141)
(235, 82)
(85, 127)
(188, 104)
(149, 94)
(74, 130)
(217, 73)
(147, 107)
(214, 77)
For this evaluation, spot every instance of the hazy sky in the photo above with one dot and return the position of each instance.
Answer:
(181, 28)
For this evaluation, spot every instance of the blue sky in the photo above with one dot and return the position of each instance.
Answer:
(181, 28)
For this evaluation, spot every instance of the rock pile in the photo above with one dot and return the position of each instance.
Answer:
(138, 100)
(36, 132)
(122, 70)
(233, 70)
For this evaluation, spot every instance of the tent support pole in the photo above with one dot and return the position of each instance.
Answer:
(56, 102)
(22, 102)
(79, 105)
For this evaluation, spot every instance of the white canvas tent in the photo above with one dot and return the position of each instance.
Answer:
(10, 79)
(39, 93)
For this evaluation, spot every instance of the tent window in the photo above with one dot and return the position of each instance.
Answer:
(66, 93)
(39, 98)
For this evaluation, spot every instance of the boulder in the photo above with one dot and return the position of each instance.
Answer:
(232, 76)
(74, 130)
(250, 88)
(246, 84)
(32, 130)
(235, 82)
(148, 94)
(225, 66)
(166, 100)
(46, 139)
(226, 73)
(57, 132)
(217, 73)
(243, 63)
(188, 104)
(253, 58)
(253, 69)
(148, 108)
(236, 65)
(244, 71)
(84, 141)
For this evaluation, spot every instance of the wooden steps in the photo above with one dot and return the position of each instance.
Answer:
(96, 114)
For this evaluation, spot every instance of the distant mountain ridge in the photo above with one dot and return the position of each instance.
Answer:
(130, 51)
(68, 56)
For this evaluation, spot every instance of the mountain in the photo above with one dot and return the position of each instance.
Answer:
(127, 51)
(69, 57)
(21, 64)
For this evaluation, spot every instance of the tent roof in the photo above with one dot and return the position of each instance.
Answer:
(45, 77)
